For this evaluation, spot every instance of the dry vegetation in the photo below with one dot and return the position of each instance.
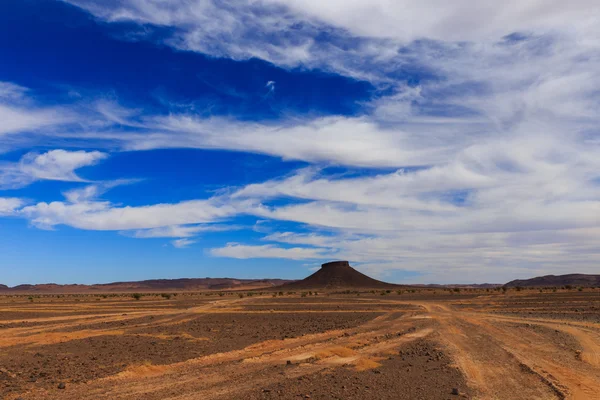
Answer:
(396, 344)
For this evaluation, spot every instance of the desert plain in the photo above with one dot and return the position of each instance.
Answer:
(343, 344)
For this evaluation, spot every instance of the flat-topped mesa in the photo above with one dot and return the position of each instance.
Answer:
(335, 264)
(338, 274)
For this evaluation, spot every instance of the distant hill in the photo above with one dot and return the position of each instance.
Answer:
(154, 285)
(557, 280)
(338, 274)
(460, 285)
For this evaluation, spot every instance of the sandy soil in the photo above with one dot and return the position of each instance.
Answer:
(481, 345)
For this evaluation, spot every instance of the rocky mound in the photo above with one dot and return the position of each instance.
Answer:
(338, 274)
(557, 281)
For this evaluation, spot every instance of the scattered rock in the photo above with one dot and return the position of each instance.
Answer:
(455, 391)
(62, 385)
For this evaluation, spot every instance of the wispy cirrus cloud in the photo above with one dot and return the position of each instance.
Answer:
(182, 243)
(179, 231)
(236, 250)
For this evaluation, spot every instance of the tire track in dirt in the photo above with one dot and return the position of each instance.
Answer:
(566, 376)
(492, 371)
(573, 378)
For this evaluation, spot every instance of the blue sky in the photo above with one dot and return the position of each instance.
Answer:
(424, 143)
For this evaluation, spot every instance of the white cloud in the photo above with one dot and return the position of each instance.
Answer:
(17, 119)
(461, 20)
(11, 91)
(235, 250)
(340, 140)
(19, 115)
(9, 205)
(58, 165)
(180, 231)
(102, 215)
(182, 243)
(363, 34)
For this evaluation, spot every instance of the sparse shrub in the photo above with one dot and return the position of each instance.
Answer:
(104, 296)
(249, 294)
(241, 295)
(30, 299)
(221, 294)
(303, 294)
(310, 292)
(136, 296)
(456, 290)
(398, 291)
(281, 293)
(274, 294)
(568, 287)
(388, 291)
(166, 296)
(504, 289)
(580, 289)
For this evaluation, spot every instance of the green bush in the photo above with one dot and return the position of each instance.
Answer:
(136, 296)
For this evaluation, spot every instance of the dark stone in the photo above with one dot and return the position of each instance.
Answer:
(455, 391)
(62, 385)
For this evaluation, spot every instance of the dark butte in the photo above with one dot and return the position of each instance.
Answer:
(338, 274)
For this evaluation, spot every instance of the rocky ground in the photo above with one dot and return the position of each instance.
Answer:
(371, 345)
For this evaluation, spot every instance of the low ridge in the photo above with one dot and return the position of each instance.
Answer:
(183, 284)
(557, 280)
(338, 274)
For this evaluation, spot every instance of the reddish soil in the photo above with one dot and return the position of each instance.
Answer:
(413, 345)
